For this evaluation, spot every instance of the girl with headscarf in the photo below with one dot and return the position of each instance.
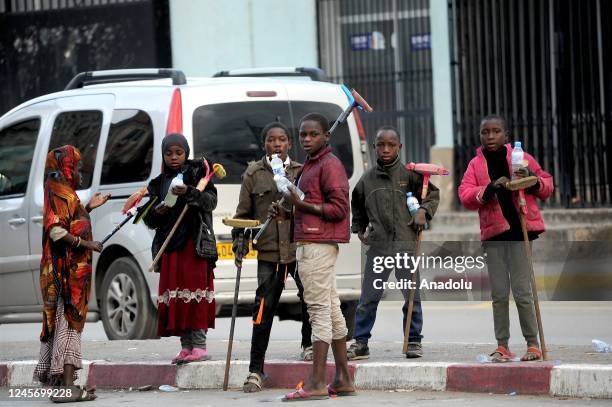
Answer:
(65, 271)
(186, 304)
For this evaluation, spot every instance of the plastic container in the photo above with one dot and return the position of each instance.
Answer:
(412, 203)
(278, 167)
(517, 157)
(601, 346)
(170, 199)
(283, 185)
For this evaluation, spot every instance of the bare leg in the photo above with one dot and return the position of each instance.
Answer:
(68, 375)
(316, 383)
(342, 379)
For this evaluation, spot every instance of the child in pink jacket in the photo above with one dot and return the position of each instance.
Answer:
(500, 230)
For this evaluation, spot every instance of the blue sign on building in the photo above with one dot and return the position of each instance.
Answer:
(420, 42)
(361, 42)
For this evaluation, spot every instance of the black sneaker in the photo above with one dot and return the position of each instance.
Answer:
(358, 351)
(415, 350)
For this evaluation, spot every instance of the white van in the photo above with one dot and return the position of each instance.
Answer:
(117, 119)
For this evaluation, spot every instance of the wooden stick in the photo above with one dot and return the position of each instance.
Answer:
(412, 292)
(534, 290)
(243, 238)
(411, 295)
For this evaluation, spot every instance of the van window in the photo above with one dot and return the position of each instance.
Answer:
(129, 148)
(17, 144)
(82, 130)
(340, 140)
(229, 133)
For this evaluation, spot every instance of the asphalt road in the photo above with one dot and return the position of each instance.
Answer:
(565, 323)
(272, 397)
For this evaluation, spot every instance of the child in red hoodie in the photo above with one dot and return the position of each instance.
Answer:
(500, 230)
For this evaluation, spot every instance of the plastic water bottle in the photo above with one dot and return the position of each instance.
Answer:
(412, 203)
(283, 185)
(483, 358)
(171, 197)
(278, 167)
(601, 346)
(517, 157)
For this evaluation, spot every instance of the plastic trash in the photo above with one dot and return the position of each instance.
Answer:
(601, 346)
(167, 388)
(487, 359)
(482, 358)
(512, 393)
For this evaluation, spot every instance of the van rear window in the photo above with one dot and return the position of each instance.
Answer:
(340, 140)
(230, 133)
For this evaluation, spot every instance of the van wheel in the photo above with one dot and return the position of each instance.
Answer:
(127, 311)
(348, 309)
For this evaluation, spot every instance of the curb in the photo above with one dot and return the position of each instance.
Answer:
(534, 378)
(520, 377)
(406, 375)
(582, 381)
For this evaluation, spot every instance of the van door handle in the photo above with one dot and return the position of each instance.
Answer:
(17, 221)
(37, 219)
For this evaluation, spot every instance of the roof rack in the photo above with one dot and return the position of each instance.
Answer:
(315, 74)
(125, 75)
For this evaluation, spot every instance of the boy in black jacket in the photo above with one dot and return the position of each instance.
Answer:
(382, 221)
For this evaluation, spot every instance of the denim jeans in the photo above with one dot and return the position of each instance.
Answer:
(370, 297)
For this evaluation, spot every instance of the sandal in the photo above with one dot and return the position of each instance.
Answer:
(306, 355)
(76, 394)
(196, 355)
(302, 395)
(501, 355)
(332, 392)
(180, 356)
(532, 354)
(253, 383)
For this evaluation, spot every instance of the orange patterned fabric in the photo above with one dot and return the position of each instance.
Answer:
(65, 271)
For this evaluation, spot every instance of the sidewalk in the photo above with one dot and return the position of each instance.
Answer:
(572, 371)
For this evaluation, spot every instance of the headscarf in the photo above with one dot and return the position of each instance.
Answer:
(174, 139)
(60, 165)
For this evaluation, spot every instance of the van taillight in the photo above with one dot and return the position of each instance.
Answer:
(175, 114)
(360, 130)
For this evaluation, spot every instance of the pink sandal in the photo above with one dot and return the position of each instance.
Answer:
(197, 355)
(181, 355)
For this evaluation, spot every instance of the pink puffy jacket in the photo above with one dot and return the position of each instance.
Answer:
(492, 221)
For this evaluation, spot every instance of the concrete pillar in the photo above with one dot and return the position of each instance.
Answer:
(442, 150)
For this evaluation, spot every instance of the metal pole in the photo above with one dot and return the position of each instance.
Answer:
(399, 86)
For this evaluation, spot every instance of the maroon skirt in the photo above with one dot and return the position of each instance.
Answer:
(186, 293)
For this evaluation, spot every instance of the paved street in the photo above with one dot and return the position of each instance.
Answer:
(454, 332)
(272, 397)
(565, 323)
